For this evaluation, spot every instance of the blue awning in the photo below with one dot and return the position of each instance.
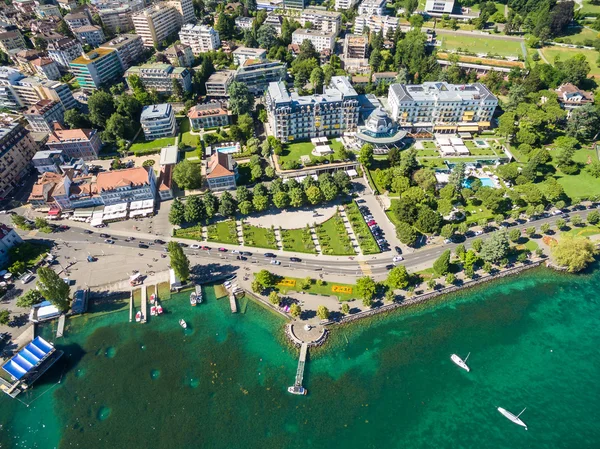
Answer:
(28, 358)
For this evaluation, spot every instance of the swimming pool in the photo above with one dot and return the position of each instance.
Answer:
(232, 149)
(485, 182)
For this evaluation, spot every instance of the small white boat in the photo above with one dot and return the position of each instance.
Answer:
(182, 323)
(159, 309)
(512, 417)
(153, 310)
(193, 299)
(152, 299)
(298, 390)
(460, 362)
(138, 317)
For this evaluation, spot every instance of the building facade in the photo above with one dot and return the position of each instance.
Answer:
(17, 148)
(571, 97)
(442, 106)
(158, 120)
(44, 11)
(124, 186)
(202, 38)
(8, 239)
(257, 75)
(243, 54)
(116, 15)
(75, 143)
(156, 23)
(356, 46)
(160, 77)
(209, 115)
(11, 40)
(129, 48)
(322, 20)
(221, 172)
(218, 83)
(293, 117)
(244, 23)
(320, 40)
(46, 68)
(375, 24)
(439, 6)
(343, 5)
(64, 51)
(372, 8)
(180, 55)
(77, 19)
(96, 68)
(42, 115)
(90, 34)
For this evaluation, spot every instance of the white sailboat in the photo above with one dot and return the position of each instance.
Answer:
(512, 417)
(460, 362)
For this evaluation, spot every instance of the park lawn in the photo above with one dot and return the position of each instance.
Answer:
(564, 53)
(193, 156)
(325, 290)
(153, 146)
(585, 156)
(579, 35)
(335, 144)
(365, 238)
(520, 157)
(298, 240)
(223, 232)
(582, 185)
(427, 153)
(293, 151)
(333, 238)
(259, 237)
(429, 145)
(474, 214)
(186, 137)
(193, 232)
(586, 231)
(589, 9)
(481, 45)
(433, 162)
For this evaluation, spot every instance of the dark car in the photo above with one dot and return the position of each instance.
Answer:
(142, 245)
(87, 231)
(183, 245)
(389, 267)
(246, 253)
(270, 255)
(159, 241)
(398, 250)
(105, 236)
(241, 258)
(295, 259)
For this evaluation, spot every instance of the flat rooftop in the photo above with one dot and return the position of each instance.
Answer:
(156, 111)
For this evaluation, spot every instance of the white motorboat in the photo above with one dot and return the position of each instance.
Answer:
(152, 298)
(138, 317)
(512, 417)
(460, 362)
(182, 323)
(193, 299)
(300, 390)
(153, 310)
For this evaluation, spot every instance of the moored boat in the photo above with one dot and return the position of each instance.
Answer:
(460, 362)
(138, 317)
(298, 390)
(152, 298)
(159, 309)
(182, 323)
(193, 299)
(153, 310)
(512, 417)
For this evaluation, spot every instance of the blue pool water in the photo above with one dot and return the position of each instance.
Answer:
(227, 150)
(485, 182)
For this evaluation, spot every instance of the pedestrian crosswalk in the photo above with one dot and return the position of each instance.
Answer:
(365, 268)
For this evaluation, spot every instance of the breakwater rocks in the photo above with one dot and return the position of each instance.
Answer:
(434, 294)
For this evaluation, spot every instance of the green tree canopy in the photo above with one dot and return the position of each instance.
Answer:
(53, 288)
(574, 252)
(179, 261)
(366, 287)
(187, 175)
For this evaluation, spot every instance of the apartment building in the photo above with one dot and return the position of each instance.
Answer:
(439, 6)
(11, 40)
(274, 20)
(68, 5)
(180, 55)
(343, 5)
(244, 23)
(75, 143)
(372, 8)
(320, 40)
(356, 46)
(29, 90)
(158, 120)
(44, 11)
(42, 115)
(243, 54)
(63, 51)
(77, 19)
(323, 20)
(375, 24)
(24, 6)
(8, 239)
(294, 117)
(384, 77)
(90, 34)
(185, 8)
(96, 68)
(258, 74)
(160, 77)
(17, 148)
(157, 22)
(125, 186)
(221, 172)
(209, 115)
(218, 83)
(48, 161)
(571, 97)
(116, 15)
(442, 106)
(129, 48)
(202, 38)
(46, 68)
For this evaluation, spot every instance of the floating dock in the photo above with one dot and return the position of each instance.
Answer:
(60, 330)
(199, 293)
(131, 306)
(144, 306)
(232, 303)
(297, 388)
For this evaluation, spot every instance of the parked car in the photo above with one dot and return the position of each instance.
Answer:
(371, 223)
(398, 250)
(64, 227)
(109, 241)
(275, 262)
(247, 253)
(235, 251)
(295, 259)
(195, 246)
(183, 245)
(270, 255)
(27, 277)
(390, 266)
(91, 259)
(159, 241)
(223, 250)
(398, 258)
(360, 201)
(87, 231)
(143, 245)
(206, 248)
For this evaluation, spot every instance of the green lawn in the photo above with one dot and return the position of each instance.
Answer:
(474, 214)
(366, 241)
(259, 237)
(565, 53)
(427, 153)
(333, 238)
(223, 232)
(298, 240)
(481, 45)
(187, 138)
(193, 156)
(585, 231)
(325, 289)
(193, 232)
(589, 9)
(293, 151)
(581, 185)
(580, 35)
(141, 146)
(429, 145)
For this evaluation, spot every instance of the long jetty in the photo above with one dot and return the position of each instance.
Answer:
(232, 303)
(60, 330)
(144, 307)
(297, 388)
(131, 306)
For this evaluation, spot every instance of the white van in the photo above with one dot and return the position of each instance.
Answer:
(27, 277)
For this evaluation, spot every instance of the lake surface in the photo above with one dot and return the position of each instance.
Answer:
(387, 382)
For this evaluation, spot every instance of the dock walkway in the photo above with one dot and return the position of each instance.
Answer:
(301, 363)
(60, 330)
(232, 303)
(144, 306)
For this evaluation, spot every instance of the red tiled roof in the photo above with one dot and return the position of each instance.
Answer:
(120, 178)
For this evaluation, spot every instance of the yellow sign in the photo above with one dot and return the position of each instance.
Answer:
(287, 283)
(341, 289)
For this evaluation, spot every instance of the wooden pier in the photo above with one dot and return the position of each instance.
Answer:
(232, 303)
(144, 306)
(60, 330)
(297, 388)
(199, 293)
(131, 306)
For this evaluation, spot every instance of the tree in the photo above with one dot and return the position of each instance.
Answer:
(564, 150)
(295, 310)
(460, 252)
(583, 122)
(477, 244)
(187, 175)
(18, 267)
(514, 235)
(265, 278)
(573, 252)
(53, 288)
(281, 200)
(101, 107)
(177, 89)
(366, 287)
(398, 277)
(495, 247)
(241, 100)
(75, 119)
(365, 156)
(425, 178)
(447, 231)
(117, 127)
(450, 278)
(225, 26)
(406, 233)
(323, 312)
(545, 227)
(179, 261)
(345, 308)
(442, 265)
(31, 298)
(457, 176)
(314, 195)
(4, 317)
(593, 217)
(274, 298)
(211, 204)
(297, 197)
(576, 220)
(228, 205)
(260, 202)
(246, 207)
(317, 78)
(530, 231)
(266, 36)
(177, 212)
(194, 209)
(428, 220)
(561, 223)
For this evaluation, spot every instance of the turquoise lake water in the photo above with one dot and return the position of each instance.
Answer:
(384, 383)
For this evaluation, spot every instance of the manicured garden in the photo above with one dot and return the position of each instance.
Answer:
(344, 292)
(333, 238)
(186, 137)
(366, 241)
(141, 146)
(193, 232)
(298, 240)
(223, 232)
(293, 151)
(259, 237)
(582, 184)
(481, 45)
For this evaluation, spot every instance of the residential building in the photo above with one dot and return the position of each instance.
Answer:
(11, 40)
(442, 106)
(124, 186)
(24, 58)
(77, 19)
(70, 190)
(90, 34)
(299, 4)
(75, 143)
(46, 68)
(320, 40)
(129, 48)
(571, 97)
(24, 6)
(158, 120)
(8, 239)
(218, 83)
(344, 5)
(375, 24)
(185, 8)
(439, 6)
(208, 115)
(356, 46)
(221, 172)
(168, 159)
(30, 90)
(202, 38)
(96, 68)
(257, 74)
(323, 20)
(156, 23)
(64, 51)
(48, 161)
(17, 148)
(180, 55)
(42, 115)
(243, 54)
(294, 117)
(274, 20)
(384, 77)
(116, 15)
(160, 77)
(9, 98)
(244, 23)
(69, 5)
(372, 8)
(44, 11)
